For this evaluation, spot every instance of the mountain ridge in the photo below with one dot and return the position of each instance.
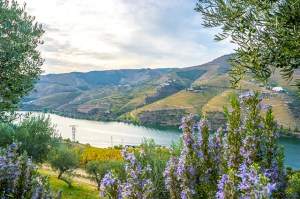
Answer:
(149, 96)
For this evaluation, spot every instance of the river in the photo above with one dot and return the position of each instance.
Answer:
(106, 134)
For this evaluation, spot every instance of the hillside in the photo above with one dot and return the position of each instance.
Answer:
(155, 96)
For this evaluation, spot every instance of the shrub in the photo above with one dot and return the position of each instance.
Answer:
(136, 184)
(97, 169)
(38, 137)
(7, 134)
(245, 163)
(19, 177)
(293, 191)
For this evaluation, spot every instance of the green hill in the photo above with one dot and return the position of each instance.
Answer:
(156, 96)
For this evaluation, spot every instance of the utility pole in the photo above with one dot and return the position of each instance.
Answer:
(74, 130)
(111, 141)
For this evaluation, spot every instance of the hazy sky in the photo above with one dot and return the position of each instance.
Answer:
(113, 34)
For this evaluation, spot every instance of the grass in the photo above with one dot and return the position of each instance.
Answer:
(218, 81)
(216, 103)
(191, 101)
(79, 189)
(281, 112)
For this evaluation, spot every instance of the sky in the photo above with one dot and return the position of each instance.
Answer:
(119, 34)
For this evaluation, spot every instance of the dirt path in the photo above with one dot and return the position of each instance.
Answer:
(79, 175)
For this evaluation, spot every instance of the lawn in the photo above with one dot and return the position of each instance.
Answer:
(79, 189)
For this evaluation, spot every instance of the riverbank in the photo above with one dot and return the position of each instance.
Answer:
(108, 134)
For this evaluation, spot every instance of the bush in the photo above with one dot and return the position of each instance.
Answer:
(156, 158)
(19, 177)
(38, 137)
(97, 169)
(136, 184)
(293, 191)
(7, 134)
(245, 163)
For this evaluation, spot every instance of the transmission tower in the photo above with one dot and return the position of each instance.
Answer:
(74, 130)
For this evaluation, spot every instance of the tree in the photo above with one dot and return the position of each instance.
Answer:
(64, 160)
(20, 60)
(267, 34)
(98, 169)
(38, 137)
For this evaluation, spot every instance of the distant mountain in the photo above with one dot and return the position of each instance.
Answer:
(154, 96)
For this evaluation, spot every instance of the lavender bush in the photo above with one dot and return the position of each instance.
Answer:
(19, 177)
(244, 163)
(136, 185)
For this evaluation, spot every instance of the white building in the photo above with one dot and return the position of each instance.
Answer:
(278, 89)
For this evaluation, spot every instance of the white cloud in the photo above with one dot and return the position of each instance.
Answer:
(97, 34)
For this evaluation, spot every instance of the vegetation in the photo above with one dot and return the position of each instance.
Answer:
(36, 134)
(64, 160)
(19, 58)
(246, 163)
(97, 169)
(38, 137)
(19, 177)
(78, 190)
(91, 154)
(266, 32)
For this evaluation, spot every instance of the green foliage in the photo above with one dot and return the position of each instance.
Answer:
(38, 137)
(156, 157)
(20, 60)
(98, 169)
(293, 191)
(19, 177)
(64, 160)
(6, 134)
(266, 32)
(191, 75)
(79, 190)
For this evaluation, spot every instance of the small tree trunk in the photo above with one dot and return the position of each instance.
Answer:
(64, 179)
(98, 180)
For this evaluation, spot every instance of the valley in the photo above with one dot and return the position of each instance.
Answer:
(156, 96)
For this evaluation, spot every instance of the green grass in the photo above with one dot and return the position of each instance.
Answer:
(79, 189)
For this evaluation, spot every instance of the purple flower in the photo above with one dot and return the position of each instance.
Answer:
(267, 107)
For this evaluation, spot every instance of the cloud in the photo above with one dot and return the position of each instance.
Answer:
(115, 34)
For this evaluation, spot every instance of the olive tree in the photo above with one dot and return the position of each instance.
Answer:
(64, 160)
(20, 60)
(97, 169)
(267, 34)
(38, 137)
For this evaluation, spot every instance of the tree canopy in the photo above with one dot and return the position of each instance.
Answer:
(267, 34)
(20, 60)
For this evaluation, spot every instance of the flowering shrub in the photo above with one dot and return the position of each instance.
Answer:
(19, 178)
(195, 173)
(245, 163)
(136, 184)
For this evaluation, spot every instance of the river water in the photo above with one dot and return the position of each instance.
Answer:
(106, 134)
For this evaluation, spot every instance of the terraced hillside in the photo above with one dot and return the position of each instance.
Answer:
(157, 96)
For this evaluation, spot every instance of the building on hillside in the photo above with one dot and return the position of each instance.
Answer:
(278, 89)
